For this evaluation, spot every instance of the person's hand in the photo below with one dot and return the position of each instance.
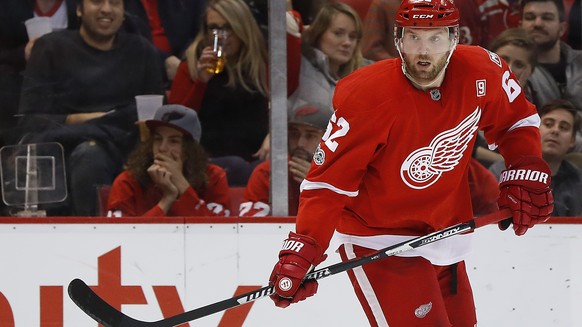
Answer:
(83, 117)
(265, 149)
(299, 254)
(171, 64)
(171, 163)
(299, 168)
(28, 48)
(525, 189)
(162, 178)
(207, 60)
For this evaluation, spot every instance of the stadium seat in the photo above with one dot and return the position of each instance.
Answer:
(102, 197)
(236, 198)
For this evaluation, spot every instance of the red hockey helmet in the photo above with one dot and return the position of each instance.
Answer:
(427, 21)
(427, 13)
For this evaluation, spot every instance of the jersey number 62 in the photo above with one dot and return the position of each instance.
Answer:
(329, 138)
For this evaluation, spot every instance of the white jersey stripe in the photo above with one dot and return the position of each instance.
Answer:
(442, 253)
(367, 289)
(307, 185)
(533, 120)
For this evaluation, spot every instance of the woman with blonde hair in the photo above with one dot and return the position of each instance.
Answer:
(328, 50)
(232, 104)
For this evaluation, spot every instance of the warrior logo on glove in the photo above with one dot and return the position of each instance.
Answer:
(292, 245)
(525, 189)
(299, 255)
(524, 175)
(285, 284)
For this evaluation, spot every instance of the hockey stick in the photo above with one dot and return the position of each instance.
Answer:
(108, 316)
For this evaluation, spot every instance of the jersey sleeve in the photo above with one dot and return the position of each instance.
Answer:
(510, 121)
(121, 201)
(294, 28)
(184, 90)
(39, 103)
(350, 142)
(213, 202)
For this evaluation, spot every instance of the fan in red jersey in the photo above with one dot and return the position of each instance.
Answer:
(393, 164)
(168, 174)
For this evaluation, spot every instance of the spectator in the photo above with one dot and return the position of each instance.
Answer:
(329, 50)
(574, 17)
(378, 40)
(560, 123)
(559, 70)
(169, 174)
(170, 24)
(232, 105)
(79, 89)
(306, 127)
(359, 6)
(15, 49)
(308, 9)
(496, 17)
(519, 50)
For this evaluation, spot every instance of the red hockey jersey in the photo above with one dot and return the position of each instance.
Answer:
(394, 159)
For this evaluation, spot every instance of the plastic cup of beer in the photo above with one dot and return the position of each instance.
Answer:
(219, 38)
(38, 26)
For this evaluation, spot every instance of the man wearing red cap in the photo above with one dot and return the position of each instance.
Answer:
(393, 165)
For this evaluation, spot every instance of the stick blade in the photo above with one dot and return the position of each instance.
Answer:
(95, 307)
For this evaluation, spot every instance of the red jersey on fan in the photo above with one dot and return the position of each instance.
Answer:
(257, 197)
(395, 161)
(128, 198)
(496, 17)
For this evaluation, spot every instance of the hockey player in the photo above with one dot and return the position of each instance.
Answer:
(393, 165)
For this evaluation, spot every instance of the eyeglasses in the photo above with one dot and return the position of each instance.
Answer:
(226, 28)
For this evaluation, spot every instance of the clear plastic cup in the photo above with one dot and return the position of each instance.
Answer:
(147, 104)
(38, 26)
(219, 38)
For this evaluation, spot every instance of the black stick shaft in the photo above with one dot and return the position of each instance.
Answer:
(109, 316)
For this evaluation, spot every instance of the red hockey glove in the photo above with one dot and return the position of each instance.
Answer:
(300, 253)
(525, 189)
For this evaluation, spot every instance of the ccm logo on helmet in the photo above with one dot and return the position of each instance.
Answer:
(292, 245)
(523, 174)
(422, 16)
